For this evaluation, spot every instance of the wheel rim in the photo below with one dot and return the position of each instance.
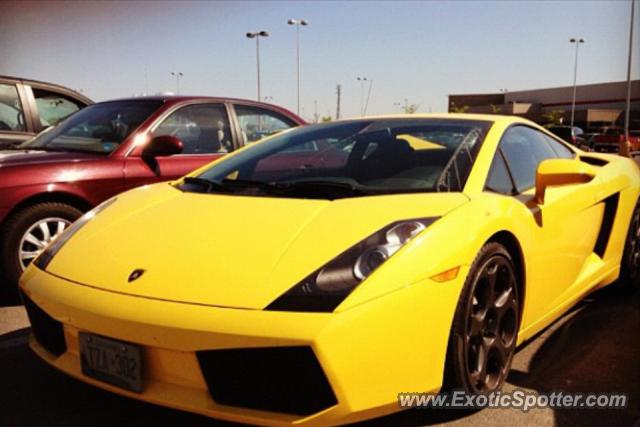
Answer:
(634, 245)
(38, 236)
(491, 325)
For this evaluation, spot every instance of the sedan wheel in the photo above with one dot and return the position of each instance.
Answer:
(38, 237)
(24, 235)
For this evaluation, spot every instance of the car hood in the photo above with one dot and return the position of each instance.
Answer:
(36, 157)
(225, 250)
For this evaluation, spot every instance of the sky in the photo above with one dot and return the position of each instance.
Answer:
(420, 51)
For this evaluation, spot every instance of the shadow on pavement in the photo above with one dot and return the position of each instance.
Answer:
(597, 349)
(593, 348)
(8, 297)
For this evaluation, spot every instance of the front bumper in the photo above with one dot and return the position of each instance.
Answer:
(369, 354)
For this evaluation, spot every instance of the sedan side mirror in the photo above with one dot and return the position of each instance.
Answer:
(553, 172)
(163, 145)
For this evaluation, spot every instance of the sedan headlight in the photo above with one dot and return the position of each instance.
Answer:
(327, 287)
(43, 260)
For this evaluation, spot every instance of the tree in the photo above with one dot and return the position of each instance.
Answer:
(495, 109)
(410, 109)
(455, 109)
(326, 119)
(553, 118)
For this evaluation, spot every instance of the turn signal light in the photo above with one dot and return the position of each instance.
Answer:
(447, 275)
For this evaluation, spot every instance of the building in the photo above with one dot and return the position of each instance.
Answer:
(601, 104)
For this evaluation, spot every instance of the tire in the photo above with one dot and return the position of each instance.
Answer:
(629, 281)
(14, 231)
(485, 325)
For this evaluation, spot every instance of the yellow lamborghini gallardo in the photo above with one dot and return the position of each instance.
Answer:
(313, 276)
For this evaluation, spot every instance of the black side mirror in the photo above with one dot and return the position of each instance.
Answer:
(163, 145)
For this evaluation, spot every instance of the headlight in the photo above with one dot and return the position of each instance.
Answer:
(327, 287)
(43, 260)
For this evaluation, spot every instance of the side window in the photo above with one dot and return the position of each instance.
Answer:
(560, 149)
(499, 180)
(202, 128)
(53, 107)
(524, 148)
(11, 115)
(257, 123)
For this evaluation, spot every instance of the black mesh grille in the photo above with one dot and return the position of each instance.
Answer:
(279, 379)
(46, 330)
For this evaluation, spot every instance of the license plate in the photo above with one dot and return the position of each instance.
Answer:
(114, 362)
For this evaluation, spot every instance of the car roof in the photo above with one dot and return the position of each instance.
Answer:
(180, 98)
(175, 99)
(23, 80)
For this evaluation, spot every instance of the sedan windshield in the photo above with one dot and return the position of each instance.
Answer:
(98, 128)
(352, 158)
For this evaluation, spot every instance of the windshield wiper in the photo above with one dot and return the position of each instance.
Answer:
(333, 189)
(323, 189)
(16, 146)
(51, 149)
(247, 184)
(230, 185)
(206, 184)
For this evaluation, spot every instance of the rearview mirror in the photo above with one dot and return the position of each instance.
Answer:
(553, 172)
(163, 145)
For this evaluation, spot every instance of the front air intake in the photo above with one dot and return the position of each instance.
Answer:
(46, 330)
(276, 379)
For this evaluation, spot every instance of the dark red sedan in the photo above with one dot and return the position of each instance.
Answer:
(109, 147)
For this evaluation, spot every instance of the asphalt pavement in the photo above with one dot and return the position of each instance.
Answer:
(593, 348)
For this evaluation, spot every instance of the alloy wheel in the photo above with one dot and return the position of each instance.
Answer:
(38, 236)
(634, 245)
(491, 325)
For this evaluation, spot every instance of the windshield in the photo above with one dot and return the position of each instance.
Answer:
(354, 158)
(98, 128)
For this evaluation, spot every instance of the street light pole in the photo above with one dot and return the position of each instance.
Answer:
(361, 79)
(315, 111)
(177, 75)
(577, 41)
(257, 36)
(366, 103)
(298, 23)
(628, 104)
